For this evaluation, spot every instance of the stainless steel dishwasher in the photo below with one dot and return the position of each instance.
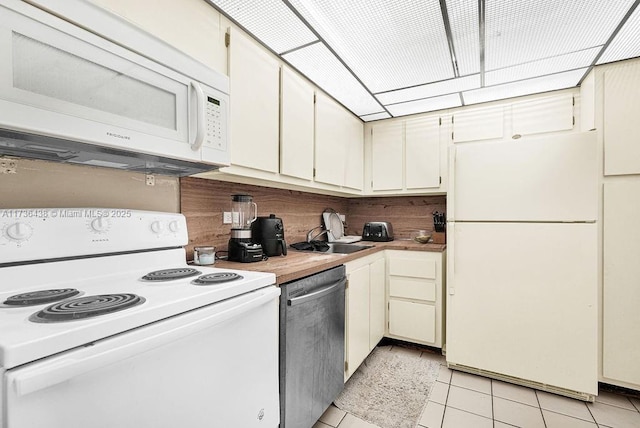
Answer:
(311, 346)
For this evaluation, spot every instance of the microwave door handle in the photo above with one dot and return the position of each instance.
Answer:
(200, 118)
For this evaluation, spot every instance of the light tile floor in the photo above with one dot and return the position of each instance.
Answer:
(461, 400)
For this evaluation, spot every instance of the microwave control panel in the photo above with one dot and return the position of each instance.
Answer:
(214, 116)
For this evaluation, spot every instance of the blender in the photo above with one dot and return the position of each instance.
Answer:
(241, 248)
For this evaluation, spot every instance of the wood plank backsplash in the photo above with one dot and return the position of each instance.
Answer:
(203, 202)
(405, 213)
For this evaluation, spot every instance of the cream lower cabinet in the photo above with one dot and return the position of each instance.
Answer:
(415, 284)
(365, 309)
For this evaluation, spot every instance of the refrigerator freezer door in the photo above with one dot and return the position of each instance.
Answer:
(547, 179)
(522, 301)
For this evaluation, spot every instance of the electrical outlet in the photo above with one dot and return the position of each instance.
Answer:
(8, 167)
(226, 217)
(151, 180)
(342, 217)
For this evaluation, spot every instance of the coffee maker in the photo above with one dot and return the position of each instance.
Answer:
(269, 232)
(241, 247)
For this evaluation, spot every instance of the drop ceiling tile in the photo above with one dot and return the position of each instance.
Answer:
(388, 44)
(463, 18)
(522, 31)
(531, 86)
(542, 67)
(271, 21)
(430, 90)
(626, 43)
(326, 71)
(375, 116)
(424, 105)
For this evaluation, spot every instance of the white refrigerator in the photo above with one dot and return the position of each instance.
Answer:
(522, 262)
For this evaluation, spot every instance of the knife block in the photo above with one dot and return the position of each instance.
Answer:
(439, 237)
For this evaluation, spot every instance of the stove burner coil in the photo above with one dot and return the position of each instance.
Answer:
(41, 297)
(86, 307)
(170, 274)
(216, 278)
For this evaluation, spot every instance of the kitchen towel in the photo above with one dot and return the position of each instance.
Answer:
(390, 388)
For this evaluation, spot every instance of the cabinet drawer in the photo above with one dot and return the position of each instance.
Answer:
(415, 321)
(412, 288)
(412, 267)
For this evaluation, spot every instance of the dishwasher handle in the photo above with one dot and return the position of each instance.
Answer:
(317, 294)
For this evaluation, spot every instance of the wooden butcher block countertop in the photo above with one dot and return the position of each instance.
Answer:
(298, 264)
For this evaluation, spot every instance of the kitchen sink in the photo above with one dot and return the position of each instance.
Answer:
(338, 248)
(334, 247)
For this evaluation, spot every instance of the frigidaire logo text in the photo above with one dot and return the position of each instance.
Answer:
(122, 137)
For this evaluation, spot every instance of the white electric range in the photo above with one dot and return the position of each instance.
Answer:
(104, 324)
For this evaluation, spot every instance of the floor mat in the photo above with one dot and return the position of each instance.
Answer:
(390, 388)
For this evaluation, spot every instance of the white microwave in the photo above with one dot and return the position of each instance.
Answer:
(70, 95)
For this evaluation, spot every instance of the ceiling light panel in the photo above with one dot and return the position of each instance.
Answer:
(325, 70)
(543, 67)
(626, 43)
(428, 104)
(430, 90)
(387, 44)
(271, 21)
(375, 116)
(522, 31)
(463, 17)
(554, 82)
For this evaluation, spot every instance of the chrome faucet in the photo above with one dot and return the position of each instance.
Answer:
(310, 236)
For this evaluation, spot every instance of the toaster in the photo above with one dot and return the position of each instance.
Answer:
(380, 231)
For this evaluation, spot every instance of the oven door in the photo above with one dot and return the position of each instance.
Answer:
(215, 366)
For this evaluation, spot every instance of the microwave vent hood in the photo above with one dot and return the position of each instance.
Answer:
(136, 103)
(73, 152)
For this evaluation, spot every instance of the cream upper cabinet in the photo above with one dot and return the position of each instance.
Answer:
(338, 144)
(422, 148)
(477, 124)
(621, 111)
(408, 156)
(354, 157)
(549, 114)
(387, 156)
(255, 104)
(621, 294)
(296, 127)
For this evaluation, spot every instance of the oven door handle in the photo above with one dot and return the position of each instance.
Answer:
(48, 373)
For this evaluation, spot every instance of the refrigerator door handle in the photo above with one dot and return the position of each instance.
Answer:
(451, 184)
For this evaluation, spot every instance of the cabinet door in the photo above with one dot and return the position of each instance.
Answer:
(541, 115)
(621, 112)
(255, 104)
(376, 302)
(412, 320)
(621, 317)
(387, 155)
(357, 336)
(354, 144)
(422, 153)
(478, 124)
(296, 127)
(330, 148)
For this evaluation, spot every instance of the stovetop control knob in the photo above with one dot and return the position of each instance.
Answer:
(19, 231)
(174, 226)
(100, 224)
(157, 227)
